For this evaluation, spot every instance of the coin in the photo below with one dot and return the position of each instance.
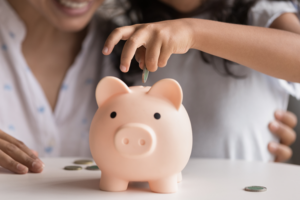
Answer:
(83, 162)
(93, 167)
(255, 189)
(73, 167)
(145, 74)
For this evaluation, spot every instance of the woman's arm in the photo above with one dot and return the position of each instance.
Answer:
(270, 51)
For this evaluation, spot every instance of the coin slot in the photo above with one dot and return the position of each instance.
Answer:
(125, 141)
(142, 142)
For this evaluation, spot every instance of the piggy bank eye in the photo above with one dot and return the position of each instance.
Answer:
(113, 115)
(157, 116)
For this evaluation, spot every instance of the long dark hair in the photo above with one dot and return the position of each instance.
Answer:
(230, 11)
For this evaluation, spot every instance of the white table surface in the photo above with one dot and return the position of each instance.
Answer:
(203, 179)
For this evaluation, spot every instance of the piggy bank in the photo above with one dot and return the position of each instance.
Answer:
(140, 134)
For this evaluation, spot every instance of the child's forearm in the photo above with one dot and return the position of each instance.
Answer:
(270, 51)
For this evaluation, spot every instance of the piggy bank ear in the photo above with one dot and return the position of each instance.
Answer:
(109, 87)
(168, 89)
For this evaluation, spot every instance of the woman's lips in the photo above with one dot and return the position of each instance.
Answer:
(74, 8)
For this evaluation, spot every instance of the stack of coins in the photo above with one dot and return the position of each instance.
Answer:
(72, 168)
(81, 162)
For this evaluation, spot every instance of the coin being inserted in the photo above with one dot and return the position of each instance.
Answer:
(256, 189)
(83, 162)
(72, 168)
(145, 74)
(93, 167)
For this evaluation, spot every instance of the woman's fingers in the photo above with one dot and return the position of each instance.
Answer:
(19, 144)
(114, 38)
(19, 152)
(282, 152)
(285, 133)
(11, 150)
(10, 164)
(35, 153)
(140, 56)
(286, 117)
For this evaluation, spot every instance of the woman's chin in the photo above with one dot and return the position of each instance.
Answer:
(71, 25)
(71, 15)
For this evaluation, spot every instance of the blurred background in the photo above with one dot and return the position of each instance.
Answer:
(294, 106)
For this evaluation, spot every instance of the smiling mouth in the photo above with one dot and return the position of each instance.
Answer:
(74, 8)
(73, 4)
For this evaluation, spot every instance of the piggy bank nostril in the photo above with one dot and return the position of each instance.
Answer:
(142, 142)
(125, 141)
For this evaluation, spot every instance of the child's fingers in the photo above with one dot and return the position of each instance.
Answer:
(114, 38)
(152, 54)
(10, 164)
(164, 56)
(286, 117)
(140, 56)
(132, 44)
(34, 165)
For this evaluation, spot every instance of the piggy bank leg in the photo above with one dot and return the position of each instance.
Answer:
(112, 184)
(179, 177)
(165, 185)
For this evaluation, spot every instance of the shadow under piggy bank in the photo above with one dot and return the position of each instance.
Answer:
(93, 184)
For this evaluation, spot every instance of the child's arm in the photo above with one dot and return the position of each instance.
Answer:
(270, 51)
(17, 157)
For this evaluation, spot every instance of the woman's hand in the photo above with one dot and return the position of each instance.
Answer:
(152, 43)
(283, 128)
(17, 157)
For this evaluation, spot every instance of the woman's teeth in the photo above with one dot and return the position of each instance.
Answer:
(72, 4)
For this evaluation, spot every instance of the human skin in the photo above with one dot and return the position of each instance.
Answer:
(53, 39)
(255, 47)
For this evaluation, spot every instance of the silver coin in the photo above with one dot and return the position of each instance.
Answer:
(72, 168)
(255, 189)
(145, 74)
(93, 167)
(83, 162)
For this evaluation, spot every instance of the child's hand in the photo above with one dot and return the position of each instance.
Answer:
(17, 157)
(283, 128)
(152, 43)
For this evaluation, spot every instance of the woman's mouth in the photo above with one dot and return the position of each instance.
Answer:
(73, 4)
(74, 8)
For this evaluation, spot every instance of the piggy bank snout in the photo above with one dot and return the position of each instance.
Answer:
(135, 140)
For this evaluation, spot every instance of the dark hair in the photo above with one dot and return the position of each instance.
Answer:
(230, 11)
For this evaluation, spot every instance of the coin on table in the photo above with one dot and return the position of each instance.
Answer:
(93, 167)
(83, 162)
(255, 189)
(145, 74)
(72, 168)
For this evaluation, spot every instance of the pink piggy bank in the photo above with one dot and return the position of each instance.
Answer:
(140, 134)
